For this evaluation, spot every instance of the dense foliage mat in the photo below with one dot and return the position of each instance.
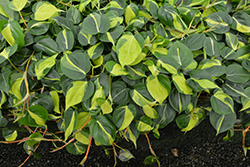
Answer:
(107, 70)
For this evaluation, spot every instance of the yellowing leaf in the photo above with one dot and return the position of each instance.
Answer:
(181, 84)
(45, 11)
(128, 49)
(157, 91)
(150, 112)
(75, 93)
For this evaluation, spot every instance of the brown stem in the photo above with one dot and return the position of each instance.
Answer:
(115, 154)
(149, 145)
(32, 151)
(16, 141)
(82, 126)
(63, 146)
(23, 19)
(15, 67)
(28, 128)
(87, 153)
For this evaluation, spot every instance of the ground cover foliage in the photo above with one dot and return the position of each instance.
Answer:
(103, 71)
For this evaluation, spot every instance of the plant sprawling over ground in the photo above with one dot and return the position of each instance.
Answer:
(105, 70)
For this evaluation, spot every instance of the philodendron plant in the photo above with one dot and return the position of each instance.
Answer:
(103, 70)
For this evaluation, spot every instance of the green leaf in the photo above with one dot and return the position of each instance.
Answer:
(181, 84)
(182, 121)
(112, 35)
(222, 103)
(78, 92)
(132, 133)
(150, 112)
(12, 32)
(17, 80)
(115, 69)
(46, 44)
(96, 23)
(8, 52)
(43, 66)
(76, 148)
(5, 10)
(195, 117)
(38, 28)
(159, 87)
(105, 105)
(222, 122)
(120, 93)
(114, 17)
(212, 47)
(102, 130)
(85, 39)
(181, 54)
(95, 51)
(65, 40)
(139, 99)
(241, 22)
(44, 101)
(4, 78)
(213, 66)
(9, 135)
(144, 124)
(99, 93)
(17, 5)
(34, 138)
(179, 101)
(169, 16)
(166, 114)
(83, 136)
(70, 120)
(236, 73)
(232, 40)
(45, 11)
(3, 121)
(63, 22)
(169, 67)
(124, 115)
(55, 97)
(150, 160)
(75, 65)
(74, 15)
(195, 41)
(125, 155)
(219, 22)
(128, 49)
(234, 89)
(245, 100)
(131, 12)
(35, 116)
(203, 79)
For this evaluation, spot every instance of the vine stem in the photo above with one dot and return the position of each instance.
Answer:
(115, 154)
(149, 145)
(15, 67)
(82, 126)
(32, 151)
(16, 141)
(63, 146)
(87, 153)
(23, 19)
(244, 135)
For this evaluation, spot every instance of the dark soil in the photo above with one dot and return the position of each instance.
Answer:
(199, 147)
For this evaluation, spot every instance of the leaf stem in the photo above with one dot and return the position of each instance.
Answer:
(82, 126)
(87, 153)
(23, 19)
(115, 154)
(15, 67)
(63, 146)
